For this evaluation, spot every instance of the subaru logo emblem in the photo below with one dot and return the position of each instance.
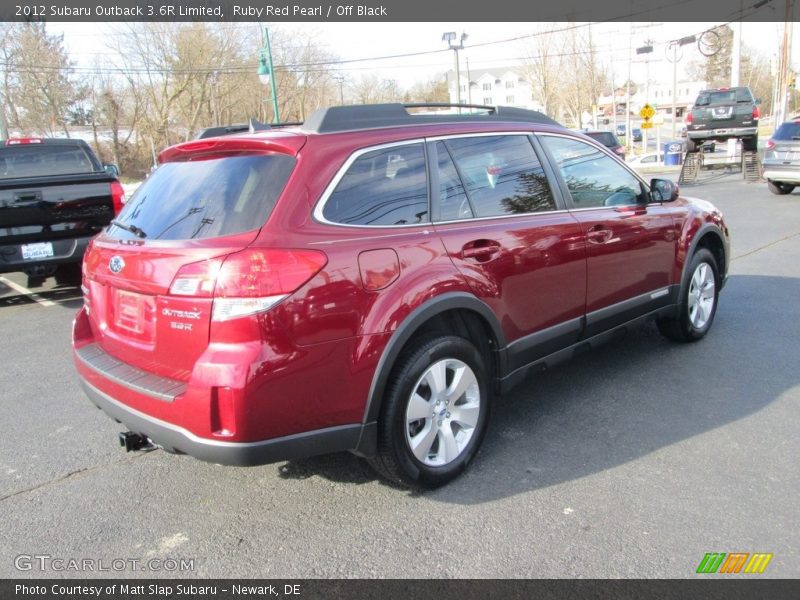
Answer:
(116, 264)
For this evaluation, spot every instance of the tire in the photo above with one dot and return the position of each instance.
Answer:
(698, 303)
(779, 188)
(691, 146)
(750, 144)
(427, 439)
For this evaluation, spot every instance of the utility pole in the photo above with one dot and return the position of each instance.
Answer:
(469, 83)
(784, 64)
(3, 125)
(675, 45)
(628, 135)
(736, 55)
(340, 80)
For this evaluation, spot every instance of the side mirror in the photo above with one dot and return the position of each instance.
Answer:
(110, 169)
(663, 190)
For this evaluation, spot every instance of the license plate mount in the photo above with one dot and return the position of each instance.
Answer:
(37, 251)
(129, 311)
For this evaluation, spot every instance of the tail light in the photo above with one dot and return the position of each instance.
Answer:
(249, 281)
(756, 112)
(770, 144)
(689, 118)
(117, 194)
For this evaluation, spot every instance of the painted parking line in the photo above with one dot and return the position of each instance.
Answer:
(26, 292)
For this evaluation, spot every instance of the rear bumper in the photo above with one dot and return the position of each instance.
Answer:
(782, 173)
(179, 440)
(64, 252)
(722, 133)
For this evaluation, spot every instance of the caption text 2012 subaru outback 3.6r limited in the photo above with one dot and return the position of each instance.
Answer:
(373, 279)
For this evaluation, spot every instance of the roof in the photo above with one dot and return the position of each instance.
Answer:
(372, 116)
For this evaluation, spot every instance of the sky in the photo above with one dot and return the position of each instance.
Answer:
(351, 41)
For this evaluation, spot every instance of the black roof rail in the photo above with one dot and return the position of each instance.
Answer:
(371, 116)
(253, 126)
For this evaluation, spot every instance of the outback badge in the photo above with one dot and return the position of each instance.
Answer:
(116, 264)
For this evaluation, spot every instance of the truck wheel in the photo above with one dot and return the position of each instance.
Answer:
(779, 188)
(698, 305)
(435, 413)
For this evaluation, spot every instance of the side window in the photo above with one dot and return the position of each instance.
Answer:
(382, 187)
(453, 201)
(502, 175)
(594, 178)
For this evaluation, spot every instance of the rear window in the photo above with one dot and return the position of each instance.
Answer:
(787, 131)
(42, 160)
(608, 139)
(724, 97)
(206, 198)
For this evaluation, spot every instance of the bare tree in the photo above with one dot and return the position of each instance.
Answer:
(433, 90)
(371, 89)
(38, 86)
(541, 68)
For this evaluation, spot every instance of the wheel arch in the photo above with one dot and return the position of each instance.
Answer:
(710, 237)
(455, 312)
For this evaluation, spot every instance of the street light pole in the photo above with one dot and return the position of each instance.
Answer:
(448, 37)
(266, 73)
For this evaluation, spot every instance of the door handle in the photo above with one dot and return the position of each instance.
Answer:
(481, 250)
(599, 234)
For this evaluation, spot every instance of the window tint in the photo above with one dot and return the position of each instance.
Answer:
(453, 202)
(382, 187)
(206, 198)
(724, 97)
(787, 131)
(606, 138)
(593, 178)
(502, 175)
(41, 160)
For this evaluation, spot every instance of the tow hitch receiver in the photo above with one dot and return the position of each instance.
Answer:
(133, 441)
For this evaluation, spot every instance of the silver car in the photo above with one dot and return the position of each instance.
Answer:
(782, 158)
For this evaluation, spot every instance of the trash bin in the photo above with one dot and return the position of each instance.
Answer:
(673, 153)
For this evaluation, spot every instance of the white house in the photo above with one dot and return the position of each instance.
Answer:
(499, 86)
(685, 95)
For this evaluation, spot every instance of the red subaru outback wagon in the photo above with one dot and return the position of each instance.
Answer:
(373, 279)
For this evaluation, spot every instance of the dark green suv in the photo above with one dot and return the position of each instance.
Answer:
(722, 114)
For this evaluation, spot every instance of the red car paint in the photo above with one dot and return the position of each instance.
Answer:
(311, 361)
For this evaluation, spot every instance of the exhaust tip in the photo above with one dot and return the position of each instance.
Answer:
(132, 441)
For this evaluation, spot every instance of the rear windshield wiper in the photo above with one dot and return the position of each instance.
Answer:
(137, 231)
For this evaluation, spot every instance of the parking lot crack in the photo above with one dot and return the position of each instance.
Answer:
(66, 477)
(765, 246)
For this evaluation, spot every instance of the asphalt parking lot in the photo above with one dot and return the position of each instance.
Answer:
(634, 461)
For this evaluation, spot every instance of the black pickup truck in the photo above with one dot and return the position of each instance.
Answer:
(55, 195)
(722, 114)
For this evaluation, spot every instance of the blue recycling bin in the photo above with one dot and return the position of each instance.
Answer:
(673, 153)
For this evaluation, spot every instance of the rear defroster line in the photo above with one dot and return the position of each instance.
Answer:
(25, 291)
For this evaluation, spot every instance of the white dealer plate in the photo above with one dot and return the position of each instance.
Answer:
(36, 251)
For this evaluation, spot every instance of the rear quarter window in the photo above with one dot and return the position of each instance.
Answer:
(206, 198)
(606, 138)
(387, 186)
